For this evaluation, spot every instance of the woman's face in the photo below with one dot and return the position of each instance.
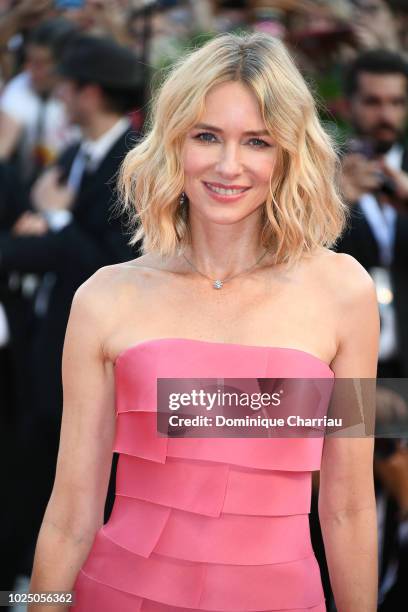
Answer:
(229, 149)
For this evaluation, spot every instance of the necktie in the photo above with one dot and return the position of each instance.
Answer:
(78, 168)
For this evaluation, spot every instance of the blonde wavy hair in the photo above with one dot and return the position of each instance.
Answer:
(303, 209)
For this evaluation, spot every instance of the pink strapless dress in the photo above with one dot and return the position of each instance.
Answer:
(203, 523)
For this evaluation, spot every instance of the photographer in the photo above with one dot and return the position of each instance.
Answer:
(374, 181)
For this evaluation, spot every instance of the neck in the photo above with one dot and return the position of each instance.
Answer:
(99, 125)
(221, 251)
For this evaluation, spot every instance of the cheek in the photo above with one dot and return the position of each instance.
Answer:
(263, 170)
(401, 115)
(194, 161)
(361, 112)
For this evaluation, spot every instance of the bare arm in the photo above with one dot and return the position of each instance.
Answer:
(347, 508)
(75, 510)
(21, 15)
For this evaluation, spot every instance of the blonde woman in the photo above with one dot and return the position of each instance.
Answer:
(233, 192)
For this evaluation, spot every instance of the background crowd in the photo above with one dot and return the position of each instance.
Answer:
(76, 78)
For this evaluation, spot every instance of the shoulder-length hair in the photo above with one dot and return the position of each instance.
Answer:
(303, 209)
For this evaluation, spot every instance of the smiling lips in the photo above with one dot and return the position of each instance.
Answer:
(224, 190)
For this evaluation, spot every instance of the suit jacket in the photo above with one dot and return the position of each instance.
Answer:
(13, 202)
(359, 241)
(93, 239)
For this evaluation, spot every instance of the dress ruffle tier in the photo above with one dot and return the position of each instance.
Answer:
(204, 524)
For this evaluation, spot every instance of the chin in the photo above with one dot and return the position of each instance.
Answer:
(383, 146)
(226, 216)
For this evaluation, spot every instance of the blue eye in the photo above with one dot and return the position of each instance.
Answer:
(203, 134)
(263, 143)
(208, 137)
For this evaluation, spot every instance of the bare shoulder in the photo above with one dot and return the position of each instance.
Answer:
(102, 286)
(353, 303)
(348, 293)
(344, 276)
(95, 297)
(109, 282)
(104, 298)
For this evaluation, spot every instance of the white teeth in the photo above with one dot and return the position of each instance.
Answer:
(224, 191)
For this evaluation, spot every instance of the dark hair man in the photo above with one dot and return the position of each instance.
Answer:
(70, 234)
(374, 181)
(33, 123)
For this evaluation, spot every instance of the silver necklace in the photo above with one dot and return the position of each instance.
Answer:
(218, 283)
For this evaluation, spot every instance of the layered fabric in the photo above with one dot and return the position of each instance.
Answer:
(204, 524)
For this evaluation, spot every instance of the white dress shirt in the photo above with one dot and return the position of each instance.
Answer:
(382, 222)
(89, 156)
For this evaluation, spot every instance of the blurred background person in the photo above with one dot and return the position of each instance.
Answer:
(68, 234)
(374, 181)
(14, 325)
(17, 19)
(34, 128)
(391, 472)
(400, 11)
(375, 26)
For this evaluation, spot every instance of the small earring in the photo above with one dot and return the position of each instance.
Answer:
(182, 198)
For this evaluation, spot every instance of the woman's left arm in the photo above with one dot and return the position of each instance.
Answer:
(347, 508)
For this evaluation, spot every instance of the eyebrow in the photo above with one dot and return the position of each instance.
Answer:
(213, 128)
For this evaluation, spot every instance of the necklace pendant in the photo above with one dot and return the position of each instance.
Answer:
(217, 284)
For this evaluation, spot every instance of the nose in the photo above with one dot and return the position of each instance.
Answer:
(229, 163)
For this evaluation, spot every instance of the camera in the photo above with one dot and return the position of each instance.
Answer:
(369, 151)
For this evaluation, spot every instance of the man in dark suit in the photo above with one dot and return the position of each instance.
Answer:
(13, 202)
(71, 233)
(374, 182)
(15, 318)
